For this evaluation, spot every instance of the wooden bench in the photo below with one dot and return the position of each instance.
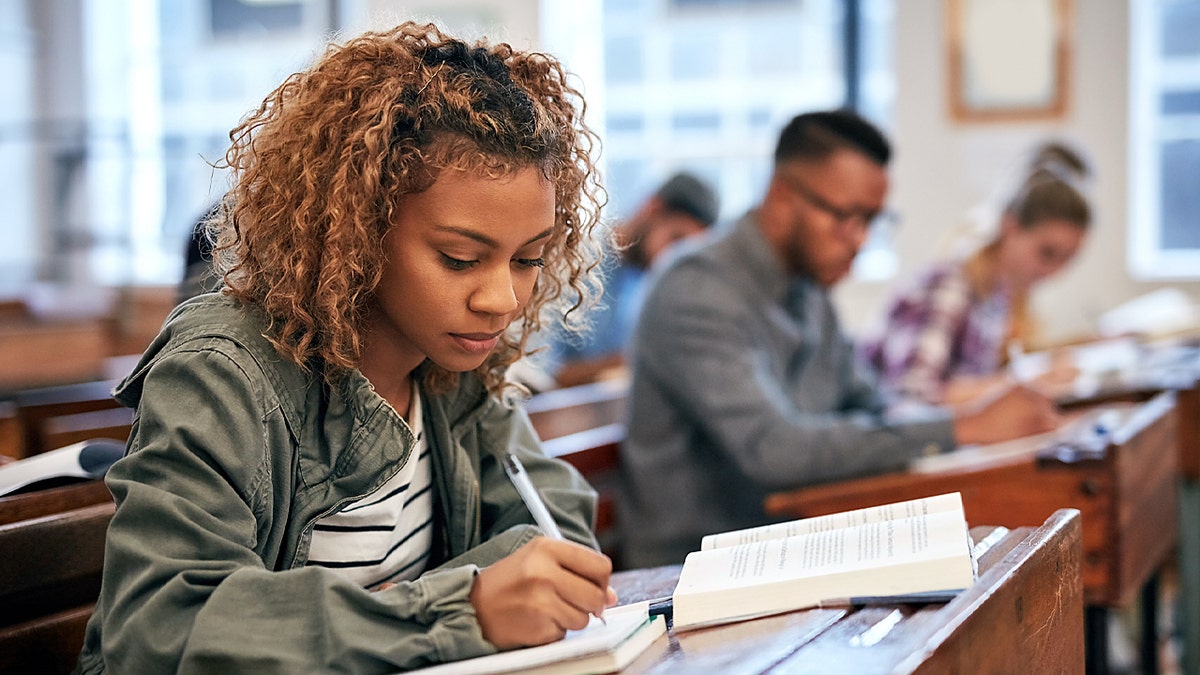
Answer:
(49, 501)
(43, 352)
(10, 431)
(62, 430)
(35, 407)
(559, 412)
(49, 580)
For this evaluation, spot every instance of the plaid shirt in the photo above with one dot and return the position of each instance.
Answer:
(936, 330)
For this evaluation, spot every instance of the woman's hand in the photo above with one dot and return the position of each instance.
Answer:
(1010, 412)
(541, 591)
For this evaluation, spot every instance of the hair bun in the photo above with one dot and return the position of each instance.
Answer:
(1060, 160)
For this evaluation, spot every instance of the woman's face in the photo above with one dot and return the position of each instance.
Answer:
(1030, 254)
(462, 260)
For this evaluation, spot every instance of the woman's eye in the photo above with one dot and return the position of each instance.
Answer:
(531, 262)
(457, 264)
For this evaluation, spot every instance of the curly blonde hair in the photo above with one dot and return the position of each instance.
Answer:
(319, 170)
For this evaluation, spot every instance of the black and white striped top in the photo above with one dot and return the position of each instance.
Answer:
(386, 535)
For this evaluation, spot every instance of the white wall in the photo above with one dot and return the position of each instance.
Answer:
(943, 167)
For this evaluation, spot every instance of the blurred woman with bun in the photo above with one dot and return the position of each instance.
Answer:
(945, 338)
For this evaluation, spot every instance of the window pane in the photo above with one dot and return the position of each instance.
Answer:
(618, 124)
(694, 54)
(1181, 28)
(705, 85)
(1181, 102)
(623, 59)
(1181, 198)
(696, 121)
(235, 17)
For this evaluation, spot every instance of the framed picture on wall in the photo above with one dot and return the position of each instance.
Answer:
(1008, 59)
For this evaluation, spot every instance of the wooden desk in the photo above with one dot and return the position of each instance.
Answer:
(35, 352)
(1169, 366)
(1161, 368)
(1126, 493)
(50, 570)
(570, 410)
(35, 407)
(1025, 613)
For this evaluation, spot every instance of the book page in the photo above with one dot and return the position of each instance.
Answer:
(922, 553)
(872, 544)
(600, 637)
(948, 503)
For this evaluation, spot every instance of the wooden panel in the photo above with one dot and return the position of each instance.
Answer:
(14, 508)
(63, 430)
(58, 565)
(1145, 471)
(573, 409)
(1188, 402)
(1125, 498)
(41, 353)
(49, 644)
(49, 581)
(36, 406)
(10, 431)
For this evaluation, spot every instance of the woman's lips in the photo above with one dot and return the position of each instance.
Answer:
(477, 342)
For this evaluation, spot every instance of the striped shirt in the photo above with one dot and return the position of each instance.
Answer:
(385, 536)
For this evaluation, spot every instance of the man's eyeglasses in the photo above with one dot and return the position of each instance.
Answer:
(847, 221)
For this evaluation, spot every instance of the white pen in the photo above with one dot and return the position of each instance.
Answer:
(533, 502)
(529, 495)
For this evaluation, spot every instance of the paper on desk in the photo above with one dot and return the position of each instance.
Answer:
(620, 624)
(1160, 312)
(85, 459)
(1107, 420)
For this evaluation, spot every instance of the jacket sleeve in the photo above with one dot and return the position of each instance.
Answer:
(569, 497)
(185, 586)
(697, 343)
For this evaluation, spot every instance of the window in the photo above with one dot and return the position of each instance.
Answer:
(716, 80)
(706, 85)
(1164, 216)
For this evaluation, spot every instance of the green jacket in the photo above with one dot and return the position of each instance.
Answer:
(235, 453)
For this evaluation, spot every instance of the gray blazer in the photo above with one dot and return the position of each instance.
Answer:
(743, 383)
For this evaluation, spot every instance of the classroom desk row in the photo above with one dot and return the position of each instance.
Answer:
(1135, 486)
(1025, 612)
(1122, 491)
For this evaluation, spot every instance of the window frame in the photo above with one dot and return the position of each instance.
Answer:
(1150, 76)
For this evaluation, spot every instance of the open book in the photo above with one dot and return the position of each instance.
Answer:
(602, 647)
(913, 550)
(88, 459)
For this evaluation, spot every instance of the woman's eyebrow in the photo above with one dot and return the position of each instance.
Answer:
(486, 240)
(541, 235)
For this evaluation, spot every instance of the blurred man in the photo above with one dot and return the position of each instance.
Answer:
(684, 207)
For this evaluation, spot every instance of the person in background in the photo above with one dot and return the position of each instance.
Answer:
(743, 382)
(947, 337)
(313, 482)
(682, 208)
(199, 275)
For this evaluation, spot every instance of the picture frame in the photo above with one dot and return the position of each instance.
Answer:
(1008, 60)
